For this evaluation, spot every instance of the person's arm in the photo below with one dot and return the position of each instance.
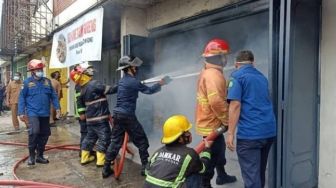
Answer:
(22, 102)
(234, 113)
(59, 90)
(234, 98)
(54, 99)
(148, 89)
(216, 91)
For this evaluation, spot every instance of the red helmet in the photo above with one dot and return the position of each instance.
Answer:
(75, 75)
(35, 64)
(216, 47)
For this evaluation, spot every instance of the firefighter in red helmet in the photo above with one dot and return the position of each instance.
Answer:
(212, 107)
(34, 105)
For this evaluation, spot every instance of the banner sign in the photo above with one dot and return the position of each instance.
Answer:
(79, 42)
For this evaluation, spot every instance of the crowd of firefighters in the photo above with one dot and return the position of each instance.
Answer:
(243, 102)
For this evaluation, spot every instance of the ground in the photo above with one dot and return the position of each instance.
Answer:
(64, 167)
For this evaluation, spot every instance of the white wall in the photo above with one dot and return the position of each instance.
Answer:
(327, 162)
(133, 21)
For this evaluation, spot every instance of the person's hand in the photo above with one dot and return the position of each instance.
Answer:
(82, 117)
(22, 118)
(229, 141)
(58, 114)
(207, 143)
(165, 80)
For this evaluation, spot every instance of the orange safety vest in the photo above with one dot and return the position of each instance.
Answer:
(212, 108)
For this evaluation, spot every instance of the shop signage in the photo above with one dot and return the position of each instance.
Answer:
(79, 42)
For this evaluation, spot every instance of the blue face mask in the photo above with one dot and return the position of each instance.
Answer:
(39, 74)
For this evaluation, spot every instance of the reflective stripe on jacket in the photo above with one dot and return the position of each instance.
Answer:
(172, 164)
(212, 107)
(93, 97)
(79, 108)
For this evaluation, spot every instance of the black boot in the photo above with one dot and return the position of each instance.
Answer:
(41, 159)
(31, 159)
(223, 177)
(107, 170)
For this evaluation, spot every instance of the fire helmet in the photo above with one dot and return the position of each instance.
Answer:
(216, 47)
(35, 64)
(174, 127)
(127, 61)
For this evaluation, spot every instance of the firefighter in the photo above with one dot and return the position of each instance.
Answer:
(93, 98)
(124, 113)
(212, 107)
(34, 104)
(175, 164)
(79, 108)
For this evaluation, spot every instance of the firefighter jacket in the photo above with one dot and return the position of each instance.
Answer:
(128, 92)
(79, 105)
(36, 96)
(172, 164)
(93, 97)
(212, 107)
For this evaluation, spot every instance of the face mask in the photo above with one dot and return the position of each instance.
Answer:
(16, 78)
(39, 74)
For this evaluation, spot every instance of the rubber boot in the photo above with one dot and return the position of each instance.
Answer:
(100, 159)
(31, 159)
(86, 158)
(107, 170)
(223, 177)
(41, 159)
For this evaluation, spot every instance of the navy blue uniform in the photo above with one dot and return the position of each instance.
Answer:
(93, 95)
(34, 101)
(125, 119)
(256, 124)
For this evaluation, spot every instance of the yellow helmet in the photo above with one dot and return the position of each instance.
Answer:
(174, 127)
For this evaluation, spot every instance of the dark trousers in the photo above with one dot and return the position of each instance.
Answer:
(131, 125)
(100, 133)
(83, 131)
(38, 134)
(217, 159)
(252, 157)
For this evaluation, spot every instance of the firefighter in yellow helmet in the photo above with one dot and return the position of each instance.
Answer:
(93, 98)
(175, 164)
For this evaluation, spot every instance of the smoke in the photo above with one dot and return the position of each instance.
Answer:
(180, 54)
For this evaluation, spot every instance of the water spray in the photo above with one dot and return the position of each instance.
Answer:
(158, 78)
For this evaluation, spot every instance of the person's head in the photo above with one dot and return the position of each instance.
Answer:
(17, 76)
(244, 57)
(129, 64)
(79, 75)
(215, 52)
(176, 130)
(55, 75)
(36, 66)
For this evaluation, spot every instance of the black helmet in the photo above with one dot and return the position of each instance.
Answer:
(127, 61)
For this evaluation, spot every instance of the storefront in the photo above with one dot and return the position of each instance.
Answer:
(278, 34)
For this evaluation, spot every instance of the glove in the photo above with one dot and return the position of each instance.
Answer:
(58, 114)
(165, 80)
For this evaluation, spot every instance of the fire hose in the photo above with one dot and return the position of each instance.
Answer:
(211, 137)
(119, 165)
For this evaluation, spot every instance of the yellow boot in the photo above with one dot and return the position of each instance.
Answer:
(86, 157)
(100, 159)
